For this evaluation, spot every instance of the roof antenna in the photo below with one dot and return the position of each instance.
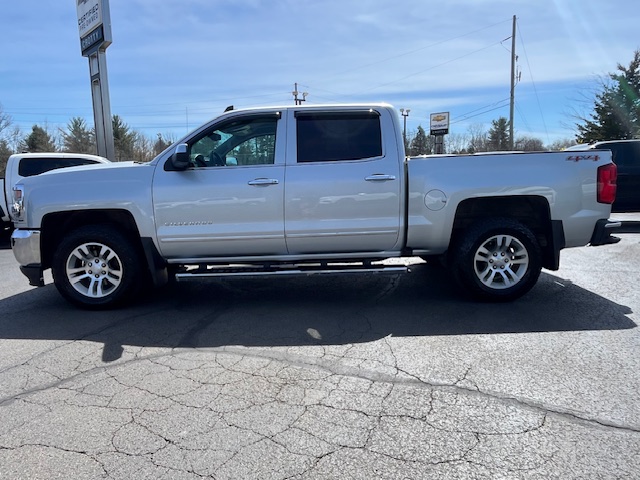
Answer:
(229, 108)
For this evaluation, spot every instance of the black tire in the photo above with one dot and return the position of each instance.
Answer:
(96, 267)
(496, 260)
(5, 231)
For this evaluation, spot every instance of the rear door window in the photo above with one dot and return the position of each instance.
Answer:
(331, 137)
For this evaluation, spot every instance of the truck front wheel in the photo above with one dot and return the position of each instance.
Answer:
(96, 267)
(497, 259)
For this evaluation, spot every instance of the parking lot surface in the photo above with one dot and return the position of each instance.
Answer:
(395, 377)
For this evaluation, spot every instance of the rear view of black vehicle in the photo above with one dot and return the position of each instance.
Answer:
(626, 155)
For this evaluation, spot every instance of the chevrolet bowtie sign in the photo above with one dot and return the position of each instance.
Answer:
(439, 124)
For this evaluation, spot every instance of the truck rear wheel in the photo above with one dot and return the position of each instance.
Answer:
(96, 267)
(497, 259)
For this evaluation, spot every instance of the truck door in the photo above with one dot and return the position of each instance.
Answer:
(343, 182)
(230, 201)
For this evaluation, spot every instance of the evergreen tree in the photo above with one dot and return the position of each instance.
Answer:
(124, 139)
(5, 149)
(38, 140)
(616, 110)
(498, 135)
(5, 153)
(420, 144)
(78, 138)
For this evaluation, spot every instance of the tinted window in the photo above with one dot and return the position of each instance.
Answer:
(325, 137)
(623, 153)
(620, 152)
(36, 166)
(635, 159)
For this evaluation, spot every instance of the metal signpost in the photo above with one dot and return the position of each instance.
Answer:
(94, 25)
(439, 128)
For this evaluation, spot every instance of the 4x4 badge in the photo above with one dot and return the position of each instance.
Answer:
(578, 158)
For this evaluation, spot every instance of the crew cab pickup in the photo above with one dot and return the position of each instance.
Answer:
(22, 165)
(308, 190)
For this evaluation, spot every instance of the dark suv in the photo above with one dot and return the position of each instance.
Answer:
(626, 155)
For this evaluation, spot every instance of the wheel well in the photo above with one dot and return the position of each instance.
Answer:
(56, 225)
(531, 211)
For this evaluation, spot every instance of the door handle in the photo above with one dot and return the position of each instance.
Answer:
(379, 177)
(264, 181)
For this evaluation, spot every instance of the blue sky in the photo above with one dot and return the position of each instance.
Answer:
(174, 64)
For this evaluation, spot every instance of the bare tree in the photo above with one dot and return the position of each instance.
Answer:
(457, 142)
(478, 138)
(142, 148)
(528, 144)
(561, 144)
(162, 142)
(5, 121)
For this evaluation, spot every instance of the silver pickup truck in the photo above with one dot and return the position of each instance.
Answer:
(308, 190)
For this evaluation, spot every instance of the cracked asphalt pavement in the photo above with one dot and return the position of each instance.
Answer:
(350, 377)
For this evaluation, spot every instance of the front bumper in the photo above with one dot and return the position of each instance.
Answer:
(26, 249)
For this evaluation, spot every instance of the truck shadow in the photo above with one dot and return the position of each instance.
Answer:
(5, 241)
(307, 311)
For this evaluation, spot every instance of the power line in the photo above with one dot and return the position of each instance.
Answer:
(432, 67)
(535, 90)
(139, 107)
(486, 109)
(377, 62)
(524, 120)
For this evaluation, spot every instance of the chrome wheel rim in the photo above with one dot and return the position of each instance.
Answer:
(501, 262)
(94, 270)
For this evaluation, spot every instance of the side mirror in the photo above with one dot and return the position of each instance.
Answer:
(180, 157)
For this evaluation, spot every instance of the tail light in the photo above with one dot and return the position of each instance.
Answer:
(17, 206)
(607, 175)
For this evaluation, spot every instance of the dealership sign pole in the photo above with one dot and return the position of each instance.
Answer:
(94, 25)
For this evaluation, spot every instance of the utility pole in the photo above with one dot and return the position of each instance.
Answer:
(298, 101)
(513, 83)
(405, 114)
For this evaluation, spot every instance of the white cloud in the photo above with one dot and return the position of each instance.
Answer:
(173, 57)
